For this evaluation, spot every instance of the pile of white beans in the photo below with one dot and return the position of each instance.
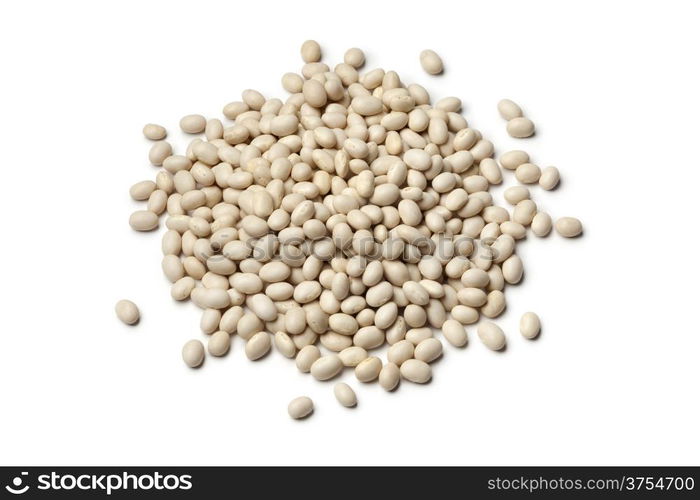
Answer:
(352, 215)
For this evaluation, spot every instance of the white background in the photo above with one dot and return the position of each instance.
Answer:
(613, 89)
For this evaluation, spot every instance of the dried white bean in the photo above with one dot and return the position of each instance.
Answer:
(127, 312)
(193, 353)
(300, 407)
(569, 227)
(491, 335)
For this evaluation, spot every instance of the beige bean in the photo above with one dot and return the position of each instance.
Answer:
(528, 173)
(520, 127)
(262, 306)
(326, 367)
(345, 395)
(464, 314)
(254, 99)
(569, 227)
(514, 229)
(193, 124)
(292, 83)
(159, 152)
(428, 350)
(354, 57)
(229, 319)
(154, 132)
(214, 298)
(306, 357)
(284, 125)
(431, 62)
(549, 178)
(509, 109)
(143, 220)
(511, 160)
(524, 212)
(285, 345)
(248, 325)
(415, 293)
(307, 291)
(491, 171)
(389, 377)
(400, 352)
(379, 294)
(258, 345)
(455, 333)
(369, 337)
(368, 369)
(182, 288)
(172, 268)
(417, 159)
(343, 324)
(310, 51)
(530, 325)
(512, 269)
(472, 297)
(366, 105)
(541, 224)
(352, 356)
(157, 202)
(416, 371)
(300, 407)
(193, 353)
(516, 194)
(219, 343)
(210, 320)
(142, 190)
(495, 304)
(491, 335)
(314, 93)
(417, 335)
(127, 312)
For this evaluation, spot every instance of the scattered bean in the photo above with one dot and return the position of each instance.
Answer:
(530, 325)
(345, 395)
(300, 407)
(569, 227)
(127, 312)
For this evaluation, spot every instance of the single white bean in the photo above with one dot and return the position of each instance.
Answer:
(431, 62)
(491, 335)
(569, 227)
(193, 124)
(549, 178)
(520, 127)
(300, 407)
(345, 395)
(326, 367)
(310, 51)
(541, 224)
(219, 343)
(389, 377)
(258, 345)
(306, 357)
(193, 353)
(509, 109)
(368, 369)
(154, 132)
(428, 350)
(455, 333)
(416, 371)
(127, 312)
(530, 325)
